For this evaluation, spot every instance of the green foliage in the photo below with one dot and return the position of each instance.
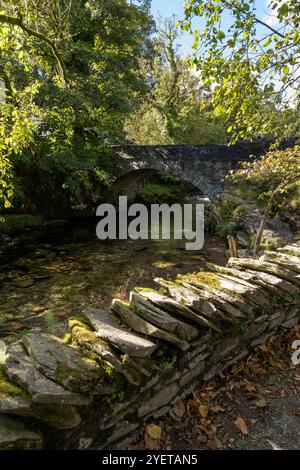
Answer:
(252, 66)
(71, 73)
(223, 216)
(177, 108)
(11, 223)
(276, 173)
(162, 187)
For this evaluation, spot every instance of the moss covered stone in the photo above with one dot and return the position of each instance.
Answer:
(8, 388)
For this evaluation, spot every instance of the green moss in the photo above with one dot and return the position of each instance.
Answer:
(116, 397)
(200, 279)
(146, 290)
(8, 388)
(81, 332)
(76, 380)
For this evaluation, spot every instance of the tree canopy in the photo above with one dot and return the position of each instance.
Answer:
(252, 66)
(177, 107)
(71, 74)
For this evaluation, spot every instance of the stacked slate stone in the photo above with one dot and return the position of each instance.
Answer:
(117, 369)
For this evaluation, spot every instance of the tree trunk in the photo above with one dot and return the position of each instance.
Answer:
(263, 224)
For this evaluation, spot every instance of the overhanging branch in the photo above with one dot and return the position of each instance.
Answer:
(31, 32)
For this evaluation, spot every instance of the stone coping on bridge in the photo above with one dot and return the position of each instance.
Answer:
(205, 166)
(117, 369)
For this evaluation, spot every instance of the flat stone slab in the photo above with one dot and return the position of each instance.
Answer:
(109, 330)
(15, 436)
(293, 250)
(233, 307)
(61, 363)
(171, 306)
(15, 405)
(20, 369)
(141, 325)
(163, 320)
(269, 281)
(240, 287)
(191, 299)
(266, 267)
(283, 259)
(88, 340)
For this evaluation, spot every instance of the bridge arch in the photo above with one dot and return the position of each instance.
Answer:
(205, 166)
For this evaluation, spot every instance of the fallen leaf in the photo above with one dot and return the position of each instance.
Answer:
(241, 425)
(150, 443)
(153, 431)
(203, 410)
(261, 403)
(38, 309)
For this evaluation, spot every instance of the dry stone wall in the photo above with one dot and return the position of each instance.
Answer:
(117, 369)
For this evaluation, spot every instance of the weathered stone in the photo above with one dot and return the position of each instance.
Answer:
(140, 325)
(15, 405)
(58, 417)
(207, 286)
(61, 363)
(293, 250)
(92, 345)
(205, 166)
(272, 283)
(191, 374)
(225, 349)
(282, 259)
(237, 357)
(166, 377)
(275, 320)
(290, 323)
(14, 435)
(170, 305)
(261, 339)
(197, 350)
(253, 294)
(163, 320)
(124, 428)
(190, 299)
(109, 330)
(266, 267)
(85, 337)
(256, 330)
(162, 398)
(20, 369)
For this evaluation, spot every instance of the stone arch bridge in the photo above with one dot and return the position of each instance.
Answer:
(205, 166)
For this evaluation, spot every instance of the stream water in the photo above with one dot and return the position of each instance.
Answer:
(42, 288)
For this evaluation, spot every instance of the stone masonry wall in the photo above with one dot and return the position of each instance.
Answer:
(117, 369)
(205, 166)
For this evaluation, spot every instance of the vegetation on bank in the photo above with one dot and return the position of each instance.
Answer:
(76, 77)
(161, 187)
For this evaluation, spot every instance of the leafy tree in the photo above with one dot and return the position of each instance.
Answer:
(177, 108)
(249, 62)
(71, 74)
(277, 173)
